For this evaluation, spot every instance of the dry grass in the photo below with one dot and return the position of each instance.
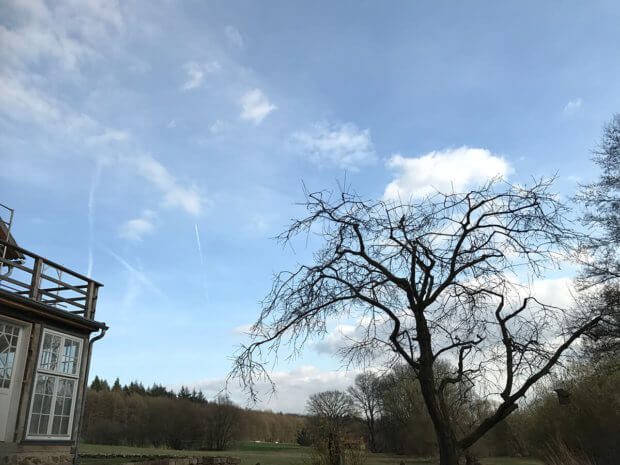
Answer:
(558, 453)
(274, 454)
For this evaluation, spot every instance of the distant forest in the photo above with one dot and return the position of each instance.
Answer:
(156, 416)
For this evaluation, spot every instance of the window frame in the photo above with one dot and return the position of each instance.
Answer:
(59, 376)
(10, 378)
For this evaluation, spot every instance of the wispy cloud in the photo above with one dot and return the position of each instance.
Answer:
(23, 103)
(196, 72)
(109, 136)
(444, 170)
(342, 145)
(243, 330)
(573, 106)
(27, 105)
(255, 106)
(175, 194)
(62, 35)
(218, 126)
(136, 228)
(234, 37)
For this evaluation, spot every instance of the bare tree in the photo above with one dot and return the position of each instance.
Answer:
(331, 410)
(366, 396)
(601, 277)
(221, 422)
(435, 280)
(602, 202)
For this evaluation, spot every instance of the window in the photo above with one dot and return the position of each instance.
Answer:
(9, 335)
(53, 400)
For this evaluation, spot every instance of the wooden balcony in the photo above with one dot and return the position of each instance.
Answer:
(33, 277)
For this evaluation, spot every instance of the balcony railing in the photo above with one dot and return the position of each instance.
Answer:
(29, 275)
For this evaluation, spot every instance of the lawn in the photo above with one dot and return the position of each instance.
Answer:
(252, 453)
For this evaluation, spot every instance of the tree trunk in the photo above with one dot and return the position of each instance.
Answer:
(371, 433)
(449, 450)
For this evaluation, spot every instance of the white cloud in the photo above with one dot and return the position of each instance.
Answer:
(234, 37)
(136, 228)
(255, 106)
(336, 340)
(573, 106)
(445, 170)
(293, 388)
(342, 145)
(243, 330)
(558, 292)
(196, 73)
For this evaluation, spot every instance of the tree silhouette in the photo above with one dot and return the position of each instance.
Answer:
(436, 280)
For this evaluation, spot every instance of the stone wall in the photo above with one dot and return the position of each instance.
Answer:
(35, 454)
(36, 459)
(163, 460)
(47, 459)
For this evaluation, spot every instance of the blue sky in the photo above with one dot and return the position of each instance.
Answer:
(160, 145)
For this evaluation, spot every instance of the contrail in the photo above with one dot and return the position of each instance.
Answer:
(202, 263)
(139, 275)
(91, 216)
(199, 245)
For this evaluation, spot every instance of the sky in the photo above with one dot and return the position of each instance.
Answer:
(159, 146)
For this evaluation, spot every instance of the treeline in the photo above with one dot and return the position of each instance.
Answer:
(156, 416)
(384, 413)
(577, 415)
(387, 414)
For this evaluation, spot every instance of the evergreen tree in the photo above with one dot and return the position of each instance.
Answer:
(200, 397)
(184, 393)
(116, 387)
(96, 384)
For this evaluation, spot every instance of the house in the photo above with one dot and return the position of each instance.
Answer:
(47, 330)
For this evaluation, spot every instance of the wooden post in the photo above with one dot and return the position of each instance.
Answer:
(91, 299)
(36, 278)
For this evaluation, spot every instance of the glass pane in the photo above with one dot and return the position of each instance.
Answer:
(64, 426)
(56, 425)
(70, 357)
(37, 403)
(45, 419)
(34, 423)
(67, 408)
(8, 348)
(42, 404)
(62, 407)
(66, 388)
(49, 352)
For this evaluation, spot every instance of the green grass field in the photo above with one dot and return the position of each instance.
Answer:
(252, 453)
